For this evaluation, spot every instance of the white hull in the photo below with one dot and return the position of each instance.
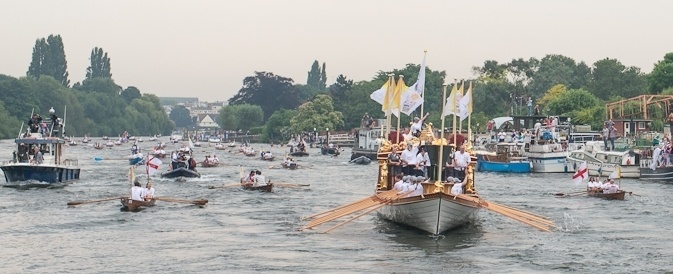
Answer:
(554, 162)
(627, 171)
(212, 140)
(435, 213)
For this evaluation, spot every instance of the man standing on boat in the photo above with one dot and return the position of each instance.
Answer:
(606, 136)
(530, 106)
(613, 135)
(38, 158)
(417, 126)
(408, 160)
(460, 161)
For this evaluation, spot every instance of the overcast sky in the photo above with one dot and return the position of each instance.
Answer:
(206, 48)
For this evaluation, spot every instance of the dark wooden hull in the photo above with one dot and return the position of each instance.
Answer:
(180, 172)
(132, 205)
(209, 164)
(609, 196)
(292, 166)
(328, 151)
(266, 188)
(299, 154)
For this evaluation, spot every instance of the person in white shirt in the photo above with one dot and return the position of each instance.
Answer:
(408, 160)
(460, 161)
(399, 180)
(501, 136)
(457, 187)
(422, 163)
(417, 187)
(611, 187)
(148, 192)
(536, 129)
(606, 185)
(260, 180)
(214, 159)
(417, 126)
(136, 191)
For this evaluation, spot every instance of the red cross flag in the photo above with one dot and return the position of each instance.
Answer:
(581, 174)
(153, 165)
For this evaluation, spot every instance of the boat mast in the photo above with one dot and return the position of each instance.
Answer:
(441, 137)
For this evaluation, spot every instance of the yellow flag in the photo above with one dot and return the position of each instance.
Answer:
(400, 89)
(388, 98)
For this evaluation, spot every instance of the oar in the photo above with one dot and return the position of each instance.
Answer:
(564, 194)
(194, 202)
(290, 185)
(631, 193)
(224, 186)
(72, 203)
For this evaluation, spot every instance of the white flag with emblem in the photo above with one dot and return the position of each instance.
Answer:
(153, 165)
(581, 174)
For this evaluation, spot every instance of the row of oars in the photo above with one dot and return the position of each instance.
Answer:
(274, 184)
(199, 202)
(534, 220)
(363, 206)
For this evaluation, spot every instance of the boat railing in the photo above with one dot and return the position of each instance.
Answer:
(71, 162)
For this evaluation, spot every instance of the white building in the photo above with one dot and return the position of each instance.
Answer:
(206, 121)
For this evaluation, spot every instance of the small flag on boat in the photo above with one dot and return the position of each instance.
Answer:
(153, 165)
(616, 174)
(581, 174)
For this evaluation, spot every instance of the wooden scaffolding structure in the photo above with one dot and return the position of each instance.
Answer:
(643, 100)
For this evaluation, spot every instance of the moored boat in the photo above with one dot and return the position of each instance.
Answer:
(506, 159)
(132, 205)
(366, 142)
(603, 163)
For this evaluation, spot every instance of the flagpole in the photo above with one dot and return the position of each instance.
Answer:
(399, 112)
(440, 164)
(469, 116)
(387, 100)
(455, 110)
(425, 53)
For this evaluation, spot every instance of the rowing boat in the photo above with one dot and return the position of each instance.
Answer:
(132, 205)
(608, 196)
(265, 188)
(291, 165)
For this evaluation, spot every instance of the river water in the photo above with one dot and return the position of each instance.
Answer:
(245, 231)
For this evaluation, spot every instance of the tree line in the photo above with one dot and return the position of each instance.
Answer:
(96, 106)
(558, 84)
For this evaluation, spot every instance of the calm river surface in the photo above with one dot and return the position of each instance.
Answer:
(244, 231)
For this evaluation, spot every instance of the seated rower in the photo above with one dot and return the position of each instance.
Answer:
(399, 180)
(417, 187)
(612, 187)
(249, 179)
(215, 159)
(136, 191)
(260, 180)
(457, 188)
(148, 192)
(591, 185)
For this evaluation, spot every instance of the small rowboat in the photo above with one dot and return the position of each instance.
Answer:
(266, 188)
(299, 154)
(209, 164)
(608, 196)
(291, 166)
(132, 205)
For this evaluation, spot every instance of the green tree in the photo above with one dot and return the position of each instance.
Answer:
(19, 97)
(552, 94)
(227, 119)
(571, 100)
(130, 93)
(100, 64)
(100, 84)
(180, 116)
(323, 77)
(10, 124)
(491, 71)
(49, 59)
(318, 113)
(313, 79)
(269, 91)
(249, 116)
(611, 78)
(338, 91)
(558, 69)
(662, 74)
(277, 128)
